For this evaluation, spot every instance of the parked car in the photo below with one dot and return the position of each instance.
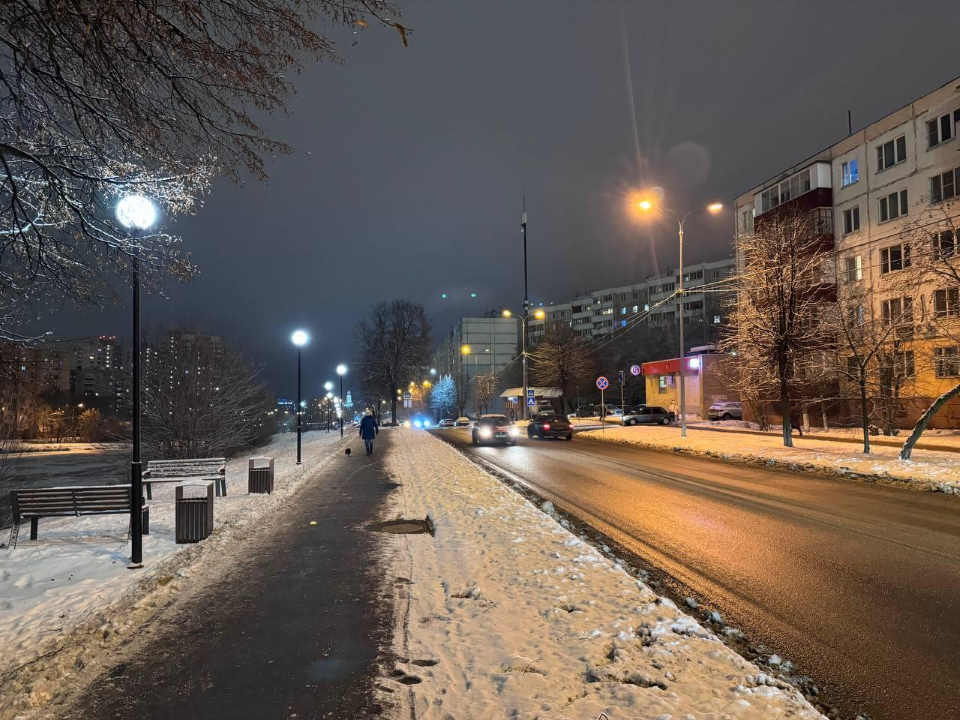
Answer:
(726, 410)
(547, 425)
(649, 415)
(494, 428)
(447, 422)
(587, 411)
(463, 421)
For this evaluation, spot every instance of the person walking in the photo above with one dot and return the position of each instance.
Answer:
(368, 430)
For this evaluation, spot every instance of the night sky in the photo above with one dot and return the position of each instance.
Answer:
(413, 162)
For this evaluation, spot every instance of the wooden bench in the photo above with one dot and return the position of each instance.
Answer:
(174, 471)
(36, 503)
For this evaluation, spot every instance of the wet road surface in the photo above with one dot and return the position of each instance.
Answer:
(858, 585)
(294, 633)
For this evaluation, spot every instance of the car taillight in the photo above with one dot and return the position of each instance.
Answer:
(546, 426)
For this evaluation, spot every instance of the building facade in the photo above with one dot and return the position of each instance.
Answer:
(605, 311)
(877, 193)
(492, 343)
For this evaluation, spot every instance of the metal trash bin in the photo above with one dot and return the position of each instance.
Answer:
(260, 475)
(194, 515)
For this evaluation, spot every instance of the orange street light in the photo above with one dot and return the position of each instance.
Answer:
(539, 314)
(507, 314)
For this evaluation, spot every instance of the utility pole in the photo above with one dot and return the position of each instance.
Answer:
(526, 308)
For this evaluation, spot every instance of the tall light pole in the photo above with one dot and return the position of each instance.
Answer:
(646, 206)
(328, 386)
(465, 350)
(137, 214)
(537, 315)
(299, 338)
(341, 371)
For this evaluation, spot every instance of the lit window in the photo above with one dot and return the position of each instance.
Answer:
(850, 172)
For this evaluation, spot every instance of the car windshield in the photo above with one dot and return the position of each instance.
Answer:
(494, 420)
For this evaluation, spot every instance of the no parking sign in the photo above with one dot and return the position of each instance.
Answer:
(603, 383)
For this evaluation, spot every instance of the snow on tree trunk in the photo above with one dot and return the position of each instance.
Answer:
(925, 419)
(864, 412)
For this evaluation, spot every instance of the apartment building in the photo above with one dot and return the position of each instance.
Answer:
(492, 343)
(870, 193)
(604, 311)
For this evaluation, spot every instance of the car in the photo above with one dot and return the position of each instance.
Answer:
(725, 410)
(586, 411)
(463, 421)
(447, 422)
(648, 415)
(549, 425)
(494, 428)
(422, 422)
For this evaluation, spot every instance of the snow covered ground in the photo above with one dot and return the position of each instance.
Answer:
(77, 569)
(929, 469)
(504, 613)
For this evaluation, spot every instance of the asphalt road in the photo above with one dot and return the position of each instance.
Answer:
(858, 585)
(295, 631)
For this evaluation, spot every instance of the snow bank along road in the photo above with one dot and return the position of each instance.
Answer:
(856, 584)
(506, 614)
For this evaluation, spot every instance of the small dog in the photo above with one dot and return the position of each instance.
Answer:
(347, 452)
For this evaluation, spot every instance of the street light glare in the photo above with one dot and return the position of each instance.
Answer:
(341, 369)
(328, 386)
(300, 338)
(645, 205)
(136, 211)
(507, 313)
(539, 315)
(465, 350)
(715, 207)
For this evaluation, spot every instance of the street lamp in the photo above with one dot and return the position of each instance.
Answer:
(136, 213)
(341, 371)
(647, 205)
(299, 338)
(328, 386)
(537, 315)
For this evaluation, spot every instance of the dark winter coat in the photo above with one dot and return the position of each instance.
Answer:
(368, 427)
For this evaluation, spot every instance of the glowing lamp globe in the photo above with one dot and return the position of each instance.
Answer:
(300, 338)
(136, 211)
(341, 369)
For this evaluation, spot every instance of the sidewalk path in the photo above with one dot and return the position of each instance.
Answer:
(294, 633)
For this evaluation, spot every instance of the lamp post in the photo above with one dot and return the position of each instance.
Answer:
(537, 315)
(328, 386)
(341, 371)
(137, 214)
(646, 206)
(299, 338)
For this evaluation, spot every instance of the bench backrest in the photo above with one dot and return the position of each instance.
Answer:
(72, 501)
(187, 468)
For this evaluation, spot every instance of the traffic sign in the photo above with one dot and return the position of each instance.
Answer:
(634, 370)
(407, 396)
(531, 401)
(603, 383)
(620, 377)
(531, 392)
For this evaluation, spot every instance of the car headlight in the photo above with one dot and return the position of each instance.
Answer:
(485, 432)
(514, 432)
(426, 423)
(417, 424)
(406, 424)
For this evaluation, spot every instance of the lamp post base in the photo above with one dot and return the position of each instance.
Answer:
(135, 566)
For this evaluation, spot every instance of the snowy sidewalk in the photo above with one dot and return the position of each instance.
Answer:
(928, 470)
(504, 613)
(58, 589)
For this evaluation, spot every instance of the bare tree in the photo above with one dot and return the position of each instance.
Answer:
(867, 345)
(783, 284)
(485, 390)
(202, 406)
(394, 343)
(113, 97)
(462, 391)
(932, 259)
(562, 360)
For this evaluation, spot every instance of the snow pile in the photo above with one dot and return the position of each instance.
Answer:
(929, 470)
(506, 614)
(77, 569)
